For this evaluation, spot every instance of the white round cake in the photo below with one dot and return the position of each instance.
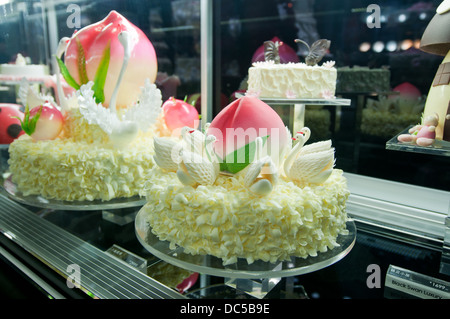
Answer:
(24, 70)
(226, 221)
(81, 164)
(21, 69)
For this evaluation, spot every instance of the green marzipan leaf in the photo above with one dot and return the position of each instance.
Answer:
(100, 75)
(246, 154)
(81, 63)
(66, 75)
(29, 126)
(32, 123)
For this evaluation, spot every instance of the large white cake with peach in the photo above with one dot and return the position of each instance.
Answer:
(97, 143)
(243, 187)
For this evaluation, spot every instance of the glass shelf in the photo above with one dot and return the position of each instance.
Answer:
(17, 79)
(210, 265)
(284, 101)
(316, 101)
(367, 93)
(440, 148)
(10, 190)
(292, 111)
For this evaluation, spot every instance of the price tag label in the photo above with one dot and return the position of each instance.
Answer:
(412, 284)
(128, 257)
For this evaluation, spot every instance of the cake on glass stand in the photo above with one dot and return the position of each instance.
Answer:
(256, 279)
(91, 148)
(277, 214)
(245, 199)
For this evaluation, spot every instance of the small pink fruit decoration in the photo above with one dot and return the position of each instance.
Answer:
(95, 53)
(178, 114)
(43, 122)
(237, 127)
(10, 117)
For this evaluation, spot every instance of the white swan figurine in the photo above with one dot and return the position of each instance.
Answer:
(262, 173)
(199, 166)
(122, 130)
(193, 140)
(167, 153)
(186, 156)
(310, 164)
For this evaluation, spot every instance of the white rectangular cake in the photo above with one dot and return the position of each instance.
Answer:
(292, 80)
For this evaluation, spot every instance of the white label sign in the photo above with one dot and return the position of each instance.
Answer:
(415, 284)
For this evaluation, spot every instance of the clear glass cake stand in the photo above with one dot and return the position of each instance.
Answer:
(256, 279)
(120, 211)
(292, 110)
(439, 147)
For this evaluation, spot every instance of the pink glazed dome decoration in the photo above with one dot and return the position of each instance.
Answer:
(95, 37)
(407, 90)
(286, 53)
(242, 121)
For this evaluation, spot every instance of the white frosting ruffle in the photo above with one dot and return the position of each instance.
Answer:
(292, 80)
(291, 65)
(226, 221)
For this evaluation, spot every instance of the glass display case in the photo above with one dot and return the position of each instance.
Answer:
(399, 203)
